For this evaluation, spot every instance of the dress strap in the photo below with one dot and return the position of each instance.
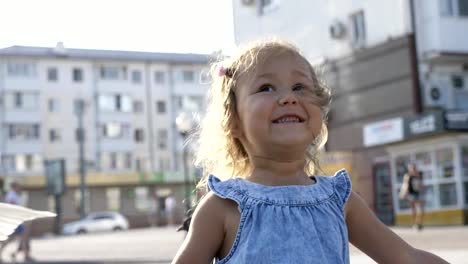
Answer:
(342, 185)
(228, 189)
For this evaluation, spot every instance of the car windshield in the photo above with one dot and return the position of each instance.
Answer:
(100, 216)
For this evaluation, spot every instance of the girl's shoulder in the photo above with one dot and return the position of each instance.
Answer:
(212, 211)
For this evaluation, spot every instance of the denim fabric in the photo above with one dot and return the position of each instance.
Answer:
(288, 224)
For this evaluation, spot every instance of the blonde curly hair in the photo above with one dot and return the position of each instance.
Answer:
(217, 150)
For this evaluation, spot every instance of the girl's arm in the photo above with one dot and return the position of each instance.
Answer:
(376, 240)
(206, 233)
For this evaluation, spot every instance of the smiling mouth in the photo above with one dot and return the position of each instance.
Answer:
(288, 119)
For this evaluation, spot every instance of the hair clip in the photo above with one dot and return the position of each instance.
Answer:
(222, 71)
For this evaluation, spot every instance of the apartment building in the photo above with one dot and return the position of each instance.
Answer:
(132, 148)
(399, 74)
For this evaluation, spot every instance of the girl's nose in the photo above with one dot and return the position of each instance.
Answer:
(287, 98)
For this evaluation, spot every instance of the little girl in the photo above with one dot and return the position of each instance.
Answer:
(264, 125)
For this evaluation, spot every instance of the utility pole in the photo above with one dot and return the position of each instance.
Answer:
(79, 109)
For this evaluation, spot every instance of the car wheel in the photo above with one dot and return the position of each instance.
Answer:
(81, 231)
(117, 228)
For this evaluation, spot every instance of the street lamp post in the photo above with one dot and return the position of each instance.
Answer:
(79, 111)
(185, 123)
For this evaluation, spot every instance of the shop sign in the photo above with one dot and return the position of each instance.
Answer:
(383, 132)
(424, 124)
(456, 120)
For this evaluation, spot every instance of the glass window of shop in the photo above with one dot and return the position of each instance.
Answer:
(445, 172)
(401, 163)
(438, 169)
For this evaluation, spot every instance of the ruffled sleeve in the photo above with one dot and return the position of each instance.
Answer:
(228, 189)
(342, 185)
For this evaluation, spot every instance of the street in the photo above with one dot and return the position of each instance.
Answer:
(159, 245)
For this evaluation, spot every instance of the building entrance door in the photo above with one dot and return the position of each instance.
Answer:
(383, 192)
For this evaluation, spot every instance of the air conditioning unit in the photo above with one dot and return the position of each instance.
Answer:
(337, 30)
(248, 2)
(436, 91)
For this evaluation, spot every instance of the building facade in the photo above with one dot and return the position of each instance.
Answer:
(132, 149)
(394, 67)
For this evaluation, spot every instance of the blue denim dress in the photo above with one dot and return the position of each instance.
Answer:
(288, 224)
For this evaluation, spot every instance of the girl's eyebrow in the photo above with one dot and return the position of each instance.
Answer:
(296, 72)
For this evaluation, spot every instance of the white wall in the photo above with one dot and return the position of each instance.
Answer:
(306, 23)
(438, 32)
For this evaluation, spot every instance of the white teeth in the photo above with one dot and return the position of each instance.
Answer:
(288, 119)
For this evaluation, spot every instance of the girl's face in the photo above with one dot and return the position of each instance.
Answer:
(277, 106)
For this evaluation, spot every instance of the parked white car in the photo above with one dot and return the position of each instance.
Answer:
(97, 222)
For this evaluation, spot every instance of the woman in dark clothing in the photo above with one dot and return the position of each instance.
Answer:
(414, 189)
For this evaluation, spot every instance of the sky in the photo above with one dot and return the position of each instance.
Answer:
(182, 26)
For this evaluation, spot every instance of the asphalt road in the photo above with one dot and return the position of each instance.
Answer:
(159, 245)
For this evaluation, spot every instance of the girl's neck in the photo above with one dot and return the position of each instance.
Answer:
(272, 172)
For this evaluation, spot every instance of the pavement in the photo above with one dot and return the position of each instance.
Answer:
(159, 245)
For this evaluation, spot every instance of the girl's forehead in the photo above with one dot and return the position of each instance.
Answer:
(286, 61)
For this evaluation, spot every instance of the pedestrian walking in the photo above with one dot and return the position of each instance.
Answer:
(21, 233)
(169, 205)
(412, 190)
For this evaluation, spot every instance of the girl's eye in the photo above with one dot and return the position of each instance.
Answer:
(298, 87)
(266, 88)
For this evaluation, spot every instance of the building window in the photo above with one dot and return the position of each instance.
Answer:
(161, 107)
(453, 7)
(53, 105)
(446, 7)
(52, 74)
(8, 163)
(140, 164)
(194, 103)
(358, 29)
(54, 135)
(188, 76)
(159, 77)
(20, 162)
(465, 185)
(22, 100)
(463, 7)
(458, 82)
(123, 103)
(21, 70)
(80, 135)
(137, 106)
(464, 154)
(444, 163)
(162, 139)
(141, 199)
(115, 130)
(128, 160)
(136, 76)
(448, 194)
(77, 75)
(113, 199)
(113, 73)
(115, 103)
(18, 100)
(23, 132)
(113, 160)
(424, 162)
(139, 135)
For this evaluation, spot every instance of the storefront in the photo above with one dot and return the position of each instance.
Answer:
(438, 143)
